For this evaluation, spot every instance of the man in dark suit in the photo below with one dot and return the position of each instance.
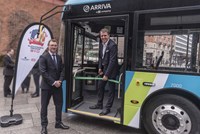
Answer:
(108, 68)
(8, 72)
(50, 65)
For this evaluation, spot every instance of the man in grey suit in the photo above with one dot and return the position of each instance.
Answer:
(108, 68)
(50, 65)
(8, 72)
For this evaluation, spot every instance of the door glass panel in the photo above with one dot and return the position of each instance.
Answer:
(78, 46)
(91, 51)
(78, 40)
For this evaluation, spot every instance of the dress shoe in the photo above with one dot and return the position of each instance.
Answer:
(34, 95)
(61, 125)
(8, 96)
(44, 130)
(105, 112)
(9, 93)
(95, 107)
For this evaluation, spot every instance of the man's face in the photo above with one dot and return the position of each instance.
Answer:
(53, 47)
(104, 37)
(11, 52)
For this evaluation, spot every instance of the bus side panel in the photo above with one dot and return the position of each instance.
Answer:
(139, 85)
(64, 89)
(134, 91)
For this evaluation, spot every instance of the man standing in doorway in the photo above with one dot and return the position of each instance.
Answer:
(108, 68)
(8, 72)
(50, 65)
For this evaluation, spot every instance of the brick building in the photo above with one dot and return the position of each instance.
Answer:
(15, 15)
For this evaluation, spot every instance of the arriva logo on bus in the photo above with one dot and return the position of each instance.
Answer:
(98, 7)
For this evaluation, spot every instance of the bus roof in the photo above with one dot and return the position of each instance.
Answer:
(81, 8)
(78, 2)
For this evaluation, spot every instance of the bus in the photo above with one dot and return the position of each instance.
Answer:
(158, 85)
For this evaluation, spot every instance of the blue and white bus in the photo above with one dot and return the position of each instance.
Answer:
(159, 57)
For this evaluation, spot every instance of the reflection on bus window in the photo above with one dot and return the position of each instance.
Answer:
(91, 51)
(176, 50)
(92, 55)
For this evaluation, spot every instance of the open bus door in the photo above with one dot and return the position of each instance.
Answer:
(78, 45)
(83, 37)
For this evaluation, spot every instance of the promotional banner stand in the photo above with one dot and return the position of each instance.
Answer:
(29, 50)
(37, 46)
(11, 119)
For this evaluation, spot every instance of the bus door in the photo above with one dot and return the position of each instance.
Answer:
(85, 41)
(78, 45)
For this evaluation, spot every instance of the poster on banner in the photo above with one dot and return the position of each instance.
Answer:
(32, 45)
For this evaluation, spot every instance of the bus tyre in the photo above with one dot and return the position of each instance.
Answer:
(171, 114)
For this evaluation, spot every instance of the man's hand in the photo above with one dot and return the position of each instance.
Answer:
(58, 83)
(100, 72)
(105, 78)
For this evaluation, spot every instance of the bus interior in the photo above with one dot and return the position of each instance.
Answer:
(85, 37)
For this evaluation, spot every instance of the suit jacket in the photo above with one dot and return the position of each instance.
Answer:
(109, 63)
(8, 66)
(49, 71)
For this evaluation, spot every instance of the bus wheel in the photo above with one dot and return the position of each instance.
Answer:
(171, 114)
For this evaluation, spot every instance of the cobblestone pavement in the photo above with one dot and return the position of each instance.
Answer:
(29, 108)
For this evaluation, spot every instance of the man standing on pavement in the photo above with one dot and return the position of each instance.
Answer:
(8, 72)
(50, 65)
(108, 68)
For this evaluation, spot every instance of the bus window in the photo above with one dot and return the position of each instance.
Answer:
(78, 44)
(120, 42)
(91, 51)
(167, 49)
(174, 48)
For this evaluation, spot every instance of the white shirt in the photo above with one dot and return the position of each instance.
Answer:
(104, 48)
(53, 60)
(53, 56)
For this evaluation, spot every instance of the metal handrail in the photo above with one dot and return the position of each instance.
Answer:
(78, 71)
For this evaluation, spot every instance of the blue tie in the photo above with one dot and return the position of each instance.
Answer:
(54, 60)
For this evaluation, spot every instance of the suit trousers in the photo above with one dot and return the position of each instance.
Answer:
(36, 78)
(45, 98)
(6, 85)
(111, 93)
(26, 83)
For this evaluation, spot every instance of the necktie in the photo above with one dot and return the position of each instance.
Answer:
(54, 60)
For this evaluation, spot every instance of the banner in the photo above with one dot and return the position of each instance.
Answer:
(33, 43)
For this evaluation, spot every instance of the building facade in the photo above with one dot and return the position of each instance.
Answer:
(175, 48)
(16, 15)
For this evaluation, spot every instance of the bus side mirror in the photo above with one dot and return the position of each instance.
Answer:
(68, 8)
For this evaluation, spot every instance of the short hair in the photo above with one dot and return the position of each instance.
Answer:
(53, 40)
(105, 30)
(8, 50)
